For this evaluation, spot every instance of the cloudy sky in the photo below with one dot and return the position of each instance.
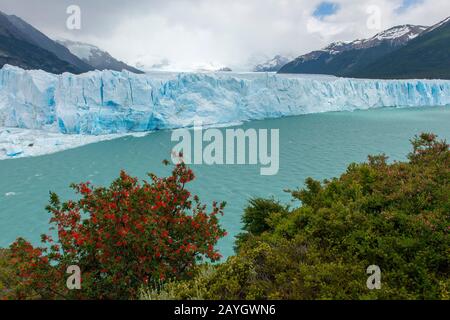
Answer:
(235, 33)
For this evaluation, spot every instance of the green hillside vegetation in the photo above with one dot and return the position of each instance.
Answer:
(393, 215)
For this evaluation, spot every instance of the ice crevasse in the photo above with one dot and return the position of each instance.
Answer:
(105, 102)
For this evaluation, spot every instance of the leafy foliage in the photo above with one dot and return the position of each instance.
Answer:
(255, 218)
(394, 215)
(121, 237)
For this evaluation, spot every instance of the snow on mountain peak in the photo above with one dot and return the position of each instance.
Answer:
(272, 65)
(398, 35)
(82, 50)
(411, 31)
(95, 56)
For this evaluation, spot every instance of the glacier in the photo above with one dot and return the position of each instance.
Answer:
(109, 102)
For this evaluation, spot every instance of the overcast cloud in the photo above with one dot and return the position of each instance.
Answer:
(192, 33)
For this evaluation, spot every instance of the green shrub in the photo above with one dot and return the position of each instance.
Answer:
(395, 216)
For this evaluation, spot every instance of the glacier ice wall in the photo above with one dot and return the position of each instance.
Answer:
(103, 102)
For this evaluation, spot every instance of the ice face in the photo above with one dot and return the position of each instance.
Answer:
(104, 102)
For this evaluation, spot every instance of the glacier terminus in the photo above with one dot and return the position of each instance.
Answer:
(69, 109)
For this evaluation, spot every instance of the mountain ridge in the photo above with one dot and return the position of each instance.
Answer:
(272, 65)
(345, 58)
(23, 45)
(96, 57)
(427, 56)
(39, 39)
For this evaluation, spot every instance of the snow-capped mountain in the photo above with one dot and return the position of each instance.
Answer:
(398, 35)
(344, 58)
(425, 56)
(94, 56)
(23, 45)
(272, 65)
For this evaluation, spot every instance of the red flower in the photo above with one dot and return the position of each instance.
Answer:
(127, 232)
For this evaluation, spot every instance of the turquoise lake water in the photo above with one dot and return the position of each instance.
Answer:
(316, 145)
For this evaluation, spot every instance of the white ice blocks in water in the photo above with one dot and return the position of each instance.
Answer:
(19, 143)
(105, 102)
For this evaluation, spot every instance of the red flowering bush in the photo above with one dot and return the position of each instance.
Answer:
(121, 237)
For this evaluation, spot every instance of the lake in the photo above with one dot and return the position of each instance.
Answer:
(314, 145)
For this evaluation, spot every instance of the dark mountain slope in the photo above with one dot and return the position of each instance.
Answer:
(427, 56)
(24, 46)
(345, 58)
(96, 57)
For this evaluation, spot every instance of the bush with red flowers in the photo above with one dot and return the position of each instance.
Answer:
(121, 237)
